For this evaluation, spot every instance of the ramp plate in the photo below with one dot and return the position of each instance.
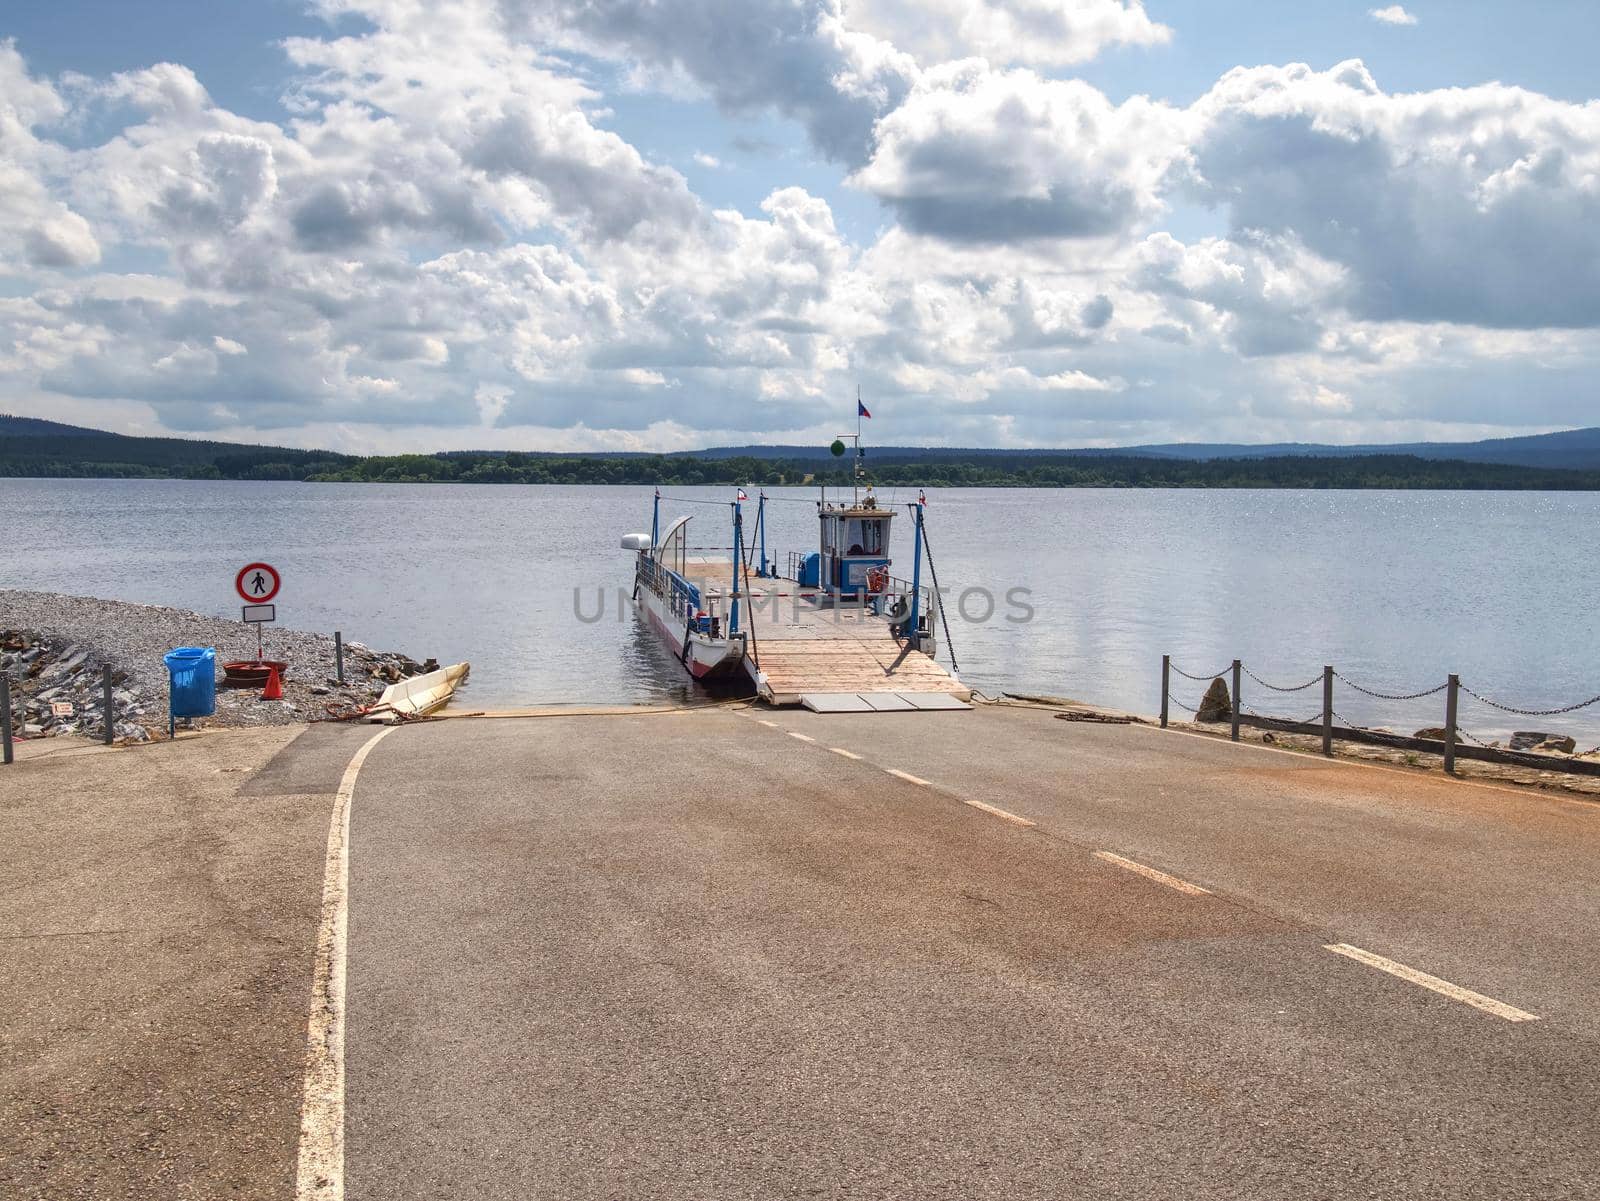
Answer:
(879, 702)
(834, 702)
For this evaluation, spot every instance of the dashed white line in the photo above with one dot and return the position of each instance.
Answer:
(907, 777)
(1454, 991)
(839, 750)
(800, 736)
(320, 1170)
(771, 725)
(1150, 873)
(997, 812)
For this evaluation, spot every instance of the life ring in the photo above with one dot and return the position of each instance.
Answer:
(877, 580)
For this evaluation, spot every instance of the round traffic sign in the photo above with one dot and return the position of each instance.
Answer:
(257, 582)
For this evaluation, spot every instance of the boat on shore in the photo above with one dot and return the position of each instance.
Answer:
(418, 696)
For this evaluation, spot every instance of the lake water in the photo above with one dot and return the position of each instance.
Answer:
(1396, 589)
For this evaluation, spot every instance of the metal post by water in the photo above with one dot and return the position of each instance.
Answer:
(338, 655)
(1327, 711)
(5, 718)
(1450, 698)
(1234, 733)
(1166, 686)
(107, 706)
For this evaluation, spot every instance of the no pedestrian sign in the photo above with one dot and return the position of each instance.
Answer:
(257, 582)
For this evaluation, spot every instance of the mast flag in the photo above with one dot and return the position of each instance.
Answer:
(861, 409)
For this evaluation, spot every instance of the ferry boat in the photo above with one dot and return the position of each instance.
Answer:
(834, 630)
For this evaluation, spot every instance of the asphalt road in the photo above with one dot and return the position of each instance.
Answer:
(694, 956)
(158, 911)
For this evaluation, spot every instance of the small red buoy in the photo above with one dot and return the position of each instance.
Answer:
(274, 689)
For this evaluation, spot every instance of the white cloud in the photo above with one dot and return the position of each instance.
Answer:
(983, 156)
(1394, 14)
(1039, 32)
(800, 58)
(1472, 205)
(36, 228)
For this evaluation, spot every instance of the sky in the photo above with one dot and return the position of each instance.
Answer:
(407, 225)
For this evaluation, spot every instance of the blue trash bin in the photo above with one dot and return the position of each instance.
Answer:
(192, 681)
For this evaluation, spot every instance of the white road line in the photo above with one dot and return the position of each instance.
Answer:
(801, 737)
(1150, 873)
(1000, 813)
(907, 777)
(1454, 991)
(771, 725)
(320, 1174)
(839, 750)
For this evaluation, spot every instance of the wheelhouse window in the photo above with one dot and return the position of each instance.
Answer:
(865, 536)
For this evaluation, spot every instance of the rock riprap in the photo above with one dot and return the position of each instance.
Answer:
(54, 648)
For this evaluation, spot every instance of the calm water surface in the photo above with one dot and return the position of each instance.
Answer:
(1394, 588)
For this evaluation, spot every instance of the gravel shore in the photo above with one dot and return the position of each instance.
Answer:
(56, 645)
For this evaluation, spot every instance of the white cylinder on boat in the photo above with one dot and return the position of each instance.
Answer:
(636, 542)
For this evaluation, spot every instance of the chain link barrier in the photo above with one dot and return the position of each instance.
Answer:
(1201, 679)
(1181, 705)
(1391, 696)
(1529, 712)
(1316, 679)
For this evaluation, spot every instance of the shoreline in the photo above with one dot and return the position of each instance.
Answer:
(55, 646)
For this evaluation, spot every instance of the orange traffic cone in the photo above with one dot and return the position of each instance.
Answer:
(274, 689)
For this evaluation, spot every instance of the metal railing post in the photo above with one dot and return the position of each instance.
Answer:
(1327, 711)
(1166, 686)
(108, 707)
(1234, 733)
(1450, 698)
(338, 655)
(5, 718)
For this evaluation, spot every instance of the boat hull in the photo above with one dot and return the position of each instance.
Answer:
(704, 657)
(418, 696)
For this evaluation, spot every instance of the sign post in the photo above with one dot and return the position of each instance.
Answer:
(258, 583)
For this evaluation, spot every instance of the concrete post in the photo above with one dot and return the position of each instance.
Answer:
(1450, 699)
(1234, 733)
(1327, 711)
(108, 707)
(1166, 686)
(338, 654)
(5, 718)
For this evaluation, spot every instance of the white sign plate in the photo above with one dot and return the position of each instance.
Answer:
(256, 614)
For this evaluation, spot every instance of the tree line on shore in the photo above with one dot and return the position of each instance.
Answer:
(80, 458)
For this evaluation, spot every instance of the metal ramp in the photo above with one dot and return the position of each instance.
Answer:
(880, 702)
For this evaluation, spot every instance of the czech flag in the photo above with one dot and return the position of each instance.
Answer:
(861, 409)
(742, 496)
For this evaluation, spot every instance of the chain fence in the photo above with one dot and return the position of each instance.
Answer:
(1202, 679)
(1316, 679)
(1455, 737)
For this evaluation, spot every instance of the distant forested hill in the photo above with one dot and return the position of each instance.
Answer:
(31, 447)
